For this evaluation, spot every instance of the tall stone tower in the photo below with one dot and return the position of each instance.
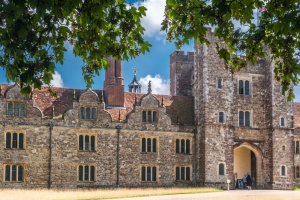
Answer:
(244, 122)
(114, 83)
(181, 67)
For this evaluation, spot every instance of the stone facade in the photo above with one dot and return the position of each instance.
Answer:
(199, 135)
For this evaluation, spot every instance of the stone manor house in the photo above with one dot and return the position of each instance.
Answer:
(215, 126)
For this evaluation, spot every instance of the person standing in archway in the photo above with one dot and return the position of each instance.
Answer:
(249, 181)
(245, 181)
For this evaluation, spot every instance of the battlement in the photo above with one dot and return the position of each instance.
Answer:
(180, 56)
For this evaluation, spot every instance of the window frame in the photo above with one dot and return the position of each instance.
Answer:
(297, 172)
(219, 83)
(223, 117)
(282, 122)
(82, 147)
(183, 173)
(219, 169)
(144, 173)
(14, 103)
(91, 113)
(187, 146)
(144, 145)
(17, 173)
(81, 176)
(244, 120)
(149, 116)
(283, 169)
(242, 89)
(9, 143)
(297, 147)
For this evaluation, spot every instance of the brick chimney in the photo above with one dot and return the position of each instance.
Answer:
(114, 83)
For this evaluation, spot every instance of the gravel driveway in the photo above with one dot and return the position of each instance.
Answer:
(230, 195)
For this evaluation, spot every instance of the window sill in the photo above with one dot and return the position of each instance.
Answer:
(87, 150)
(13, 149)
(148, 152)
(148, 181)
(183, 180)
(13, 181)
(187, 154)
(86, 181)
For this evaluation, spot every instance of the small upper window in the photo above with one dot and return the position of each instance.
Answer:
(88, 113)
(149, 116)
(221, 117)
(16, 109)
(244, 87)
(282, 122)
(219, 84)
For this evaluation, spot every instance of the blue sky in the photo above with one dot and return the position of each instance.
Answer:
(153, 65)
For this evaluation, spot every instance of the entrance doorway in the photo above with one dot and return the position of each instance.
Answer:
(245, 162)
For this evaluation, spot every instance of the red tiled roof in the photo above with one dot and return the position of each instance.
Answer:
(179, 108)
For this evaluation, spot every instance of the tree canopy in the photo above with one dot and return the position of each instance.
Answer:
(278, 29)
(34, 33)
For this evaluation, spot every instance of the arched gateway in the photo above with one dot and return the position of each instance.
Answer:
(248, 159)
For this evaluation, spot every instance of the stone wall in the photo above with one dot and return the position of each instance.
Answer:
(181, 67)
(265, 103)
(66, 157)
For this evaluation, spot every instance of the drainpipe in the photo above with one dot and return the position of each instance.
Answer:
(51, 124)
(118, 127)
(195, 157)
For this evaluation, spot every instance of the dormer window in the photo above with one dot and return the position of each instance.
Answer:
(16, 109)
(88, 113)
(149, 116)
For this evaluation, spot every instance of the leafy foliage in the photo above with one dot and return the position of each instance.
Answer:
(33, 36)
(278, 29)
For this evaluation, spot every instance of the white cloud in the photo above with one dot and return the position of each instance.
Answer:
(57, 81)
(154, 17)
(158, 84)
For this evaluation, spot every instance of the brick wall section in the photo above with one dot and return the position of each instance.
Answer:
(181, 67)
(114, 84)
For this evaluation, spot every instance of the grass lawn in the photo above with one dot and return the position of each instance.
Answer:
(53, 194)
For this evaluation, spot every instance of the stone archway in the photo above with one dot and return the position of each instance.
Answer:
(244, 155)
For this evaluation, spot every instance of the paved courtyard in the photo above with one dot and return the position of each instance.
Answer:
(230, 195)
